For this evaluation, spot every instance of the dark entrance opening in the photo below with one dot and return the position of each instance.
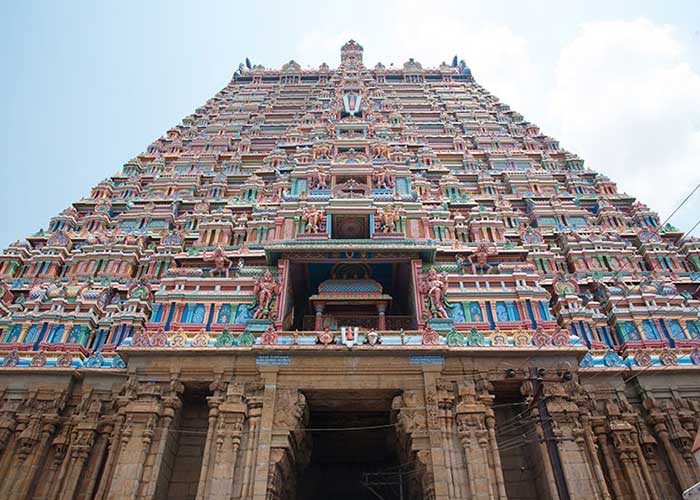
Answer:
(521, 460)
(184, 451)
(354, 449)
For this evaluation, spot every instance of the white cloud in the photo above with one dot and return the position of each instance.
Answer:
(325, 46)
(622, 94)
(629, 104)
(499, 57)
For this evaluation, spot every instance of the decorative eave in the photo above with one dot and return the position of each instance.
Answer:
(340, 249)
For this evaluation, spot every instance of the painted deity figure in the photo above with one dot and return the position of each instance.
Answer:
(459, 259)
(383, 178)
(266, 290)
(481, 256)
(313, 217)
(433, 289)
(222, 264)
(388, 219)
(318, 179)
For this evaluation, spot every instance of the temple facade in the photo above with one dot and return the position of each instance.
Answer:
(351, 283)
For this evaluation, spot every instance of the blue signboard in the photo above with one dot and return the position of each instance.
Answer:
(427, 360)
(273, 360)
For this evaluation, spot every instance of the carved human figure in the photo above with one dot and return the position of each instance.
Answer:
(321, 151)
(380, 151)
(433, 289)
(383, 178)
(222, 264)
(266, 290)
(481, 256)
(318, 179)
(388, 219)
(459, 259)
(313, 217)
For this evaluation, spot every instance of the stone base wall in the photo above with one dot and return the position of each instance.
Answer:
(215, 426)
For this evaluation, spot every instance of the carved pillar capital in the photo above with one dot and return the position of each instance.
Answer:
(476, 427)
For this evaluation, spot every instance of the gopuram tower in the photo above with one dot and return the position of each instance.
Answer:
(351, 283)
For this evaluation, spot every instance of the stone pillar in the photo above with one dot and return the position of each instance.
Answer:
(626, 445)
(686, 427)
(32, 439)
(254, 412)
(83, 437)
(475, 427)
(587, 424)
(496, 466)
(646, 445)
(409, 415)
(558, 420)
(148, 416)
(290, 451)
(223, 444)
(113, 447)
(454, 464)
(78, 455)
(154, 477)
(318, 323)
(100, 450)
(437, 452)
(213, 401)
(262, 462)
(674, 425)
(37, 420)
(8, 424)
(666, 421)
(136, 438)
(381, 322)
(621, 433)
(32, 459)
(55, 467)
(610, 466)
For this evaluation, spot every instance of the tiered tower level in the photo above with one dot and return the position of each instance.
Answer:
(333, 241)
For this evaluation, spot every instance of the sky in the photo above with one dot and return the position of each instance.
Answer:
(88, 85)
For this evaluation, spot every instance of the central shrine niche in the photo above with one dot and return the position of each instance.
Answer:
(331, 296)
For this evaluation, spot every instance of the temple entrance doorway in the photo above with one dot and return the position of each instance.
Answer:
(352, 294)
(184, 450)
(521, 459)
(354, 447)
